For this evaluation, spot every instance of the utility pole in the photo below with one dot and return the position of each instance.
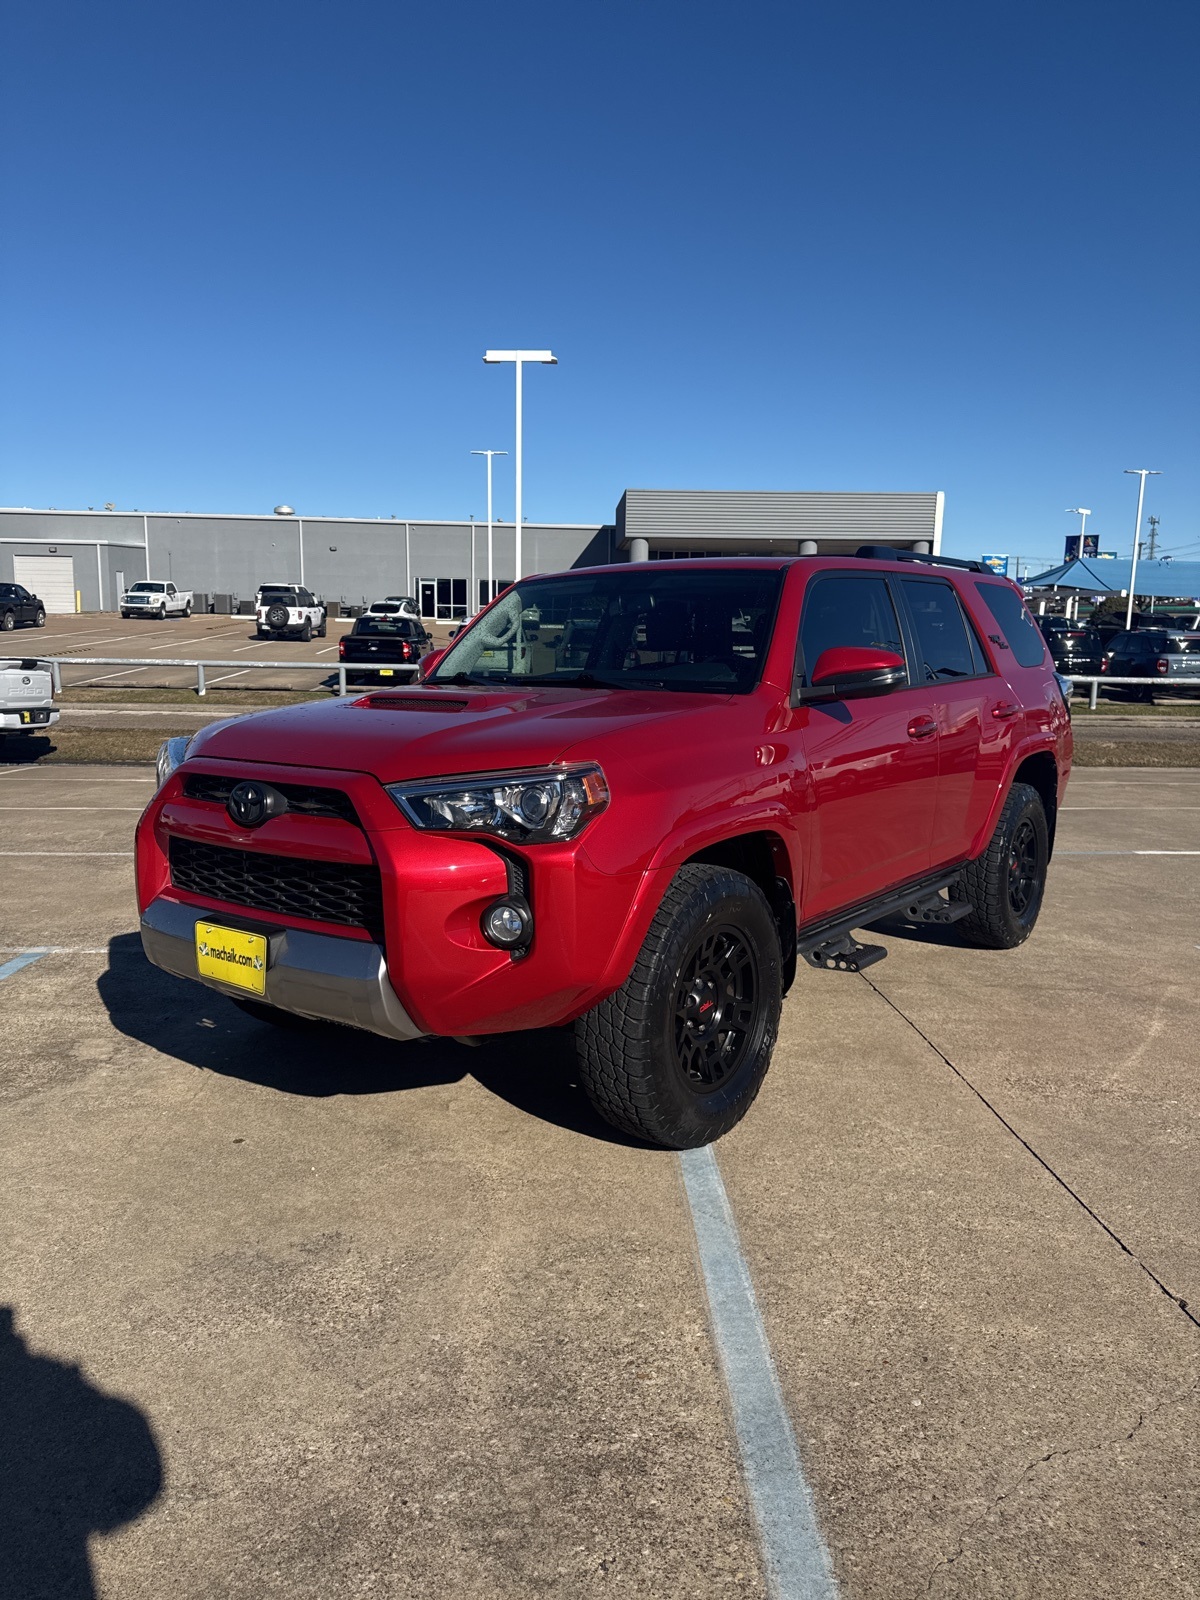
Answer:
(1153, 521)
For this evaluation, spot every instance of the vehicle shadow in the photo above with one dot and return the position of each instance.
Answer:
(533, 1072)
(25, 750)
(74, 1462)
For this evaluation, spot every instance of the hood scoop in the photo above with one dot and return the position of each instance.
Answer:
(401, 702)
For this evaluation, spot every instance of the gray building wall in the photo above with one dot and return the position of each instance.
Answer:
(355, 559)
(777, 522)
(346, 559)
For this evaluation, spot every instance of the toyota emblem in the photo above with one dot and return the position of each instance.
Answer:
(250, 804)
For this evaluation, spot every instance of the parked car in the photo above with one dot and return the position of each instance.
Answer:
(383, 646)
(149, 598)
(1171, 661)
(26, 697)
(756, 758)
(396, 605)
(19, 608)
(1073, 648)
(283, 609)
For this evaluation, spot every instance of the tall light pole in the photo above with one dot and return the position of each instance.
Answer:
(545, 358)
(1141, 474)
(1083, 513)
(286, 511)
(489, 454)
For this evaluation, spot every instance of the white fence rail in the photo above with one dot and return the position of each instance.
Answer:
(56, 664)
(1191, 681)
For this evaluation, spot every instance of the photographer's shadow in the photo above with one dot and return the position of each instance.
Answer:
(532, 1071)
(73, 1462)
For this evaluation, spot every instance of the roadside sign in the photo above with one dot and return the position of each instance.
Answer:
(997, 564)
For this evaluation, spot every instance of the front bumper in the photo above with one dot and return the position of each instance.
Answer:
(311, 974)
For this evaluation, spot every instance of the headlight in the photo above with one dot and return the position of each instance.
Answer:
(524, 807)
(170, 754)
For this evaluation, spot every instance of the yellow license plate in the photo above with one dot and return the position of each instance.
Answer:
(386, 672)
(232, 957)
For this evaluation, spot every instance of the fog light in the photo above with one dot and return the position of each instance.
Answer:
(508, 923)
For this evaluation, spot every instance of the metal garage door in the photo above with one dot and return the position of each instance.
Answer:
(51, 578)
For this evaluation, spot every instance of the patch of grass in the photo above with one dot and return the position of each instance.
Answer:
(90, 746)
(1137, 753)
(1172, 707)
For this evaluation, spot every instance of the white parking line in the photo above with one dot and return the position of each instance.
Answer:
(1131, 808)
(1115, 852)
(134, 809)
(55, 950)
(225, 676)
(66, 852)
(25, 959)
(794, 1554)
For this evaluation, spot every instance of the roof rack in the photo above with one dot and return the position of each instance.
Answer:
(884, 552)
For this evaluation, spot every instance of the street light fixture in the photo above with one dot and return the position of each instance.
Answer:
(1141, 474)
(1083, 513)
(545, 358)
(490, 585)
(286, 511)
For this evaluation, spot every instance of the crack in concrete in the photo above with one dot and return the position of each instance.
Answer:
(947, 1562)
(1177, 1300)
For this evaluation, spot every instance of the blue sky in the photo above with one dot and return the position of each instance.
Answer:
(255, 252)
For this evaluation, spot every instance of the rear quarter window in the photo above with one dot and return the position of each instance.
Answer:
(1018, 628)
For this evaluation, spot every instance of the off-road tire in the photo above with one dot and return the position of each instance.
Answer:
(1000, 918)
(324, 628)
(627, 1048)
(39, 618)
(306, 632)
(277, 618)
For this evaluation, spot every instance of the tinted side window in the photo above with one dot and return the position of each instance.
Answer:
(941, 632)
(1017, 626)
(847, 611)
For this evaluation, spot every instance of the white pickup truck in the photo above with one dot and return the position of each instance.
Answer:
(288, 608)
(150, 599)
(26, 697)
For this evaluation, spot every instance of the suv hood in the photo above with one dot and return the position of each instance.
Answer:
(425, 733)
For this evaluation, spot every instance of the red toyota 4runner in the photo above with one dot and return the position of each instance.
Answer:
(626, 800)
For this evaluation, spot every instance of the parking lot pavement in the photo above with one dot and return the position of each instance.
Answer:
(412, 1322)
(207, 638)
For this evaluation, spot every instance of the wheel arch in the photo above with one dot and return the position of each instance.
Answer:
(761, 856)
(1040, 771)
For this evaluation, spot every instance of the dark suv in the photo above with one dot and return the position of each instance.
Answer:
(627, 800)
(1073, 648)
(1171, 661)
(18, 606)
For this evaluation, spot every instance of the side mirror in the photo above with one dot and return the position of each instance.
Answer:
(428, 663)
(853, 672)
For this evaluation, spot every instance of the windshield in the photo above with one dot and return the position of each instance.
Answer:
(706, 632)
(147, 588)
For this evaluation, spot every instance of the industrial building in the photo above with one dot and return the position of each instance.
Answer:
(81, 560)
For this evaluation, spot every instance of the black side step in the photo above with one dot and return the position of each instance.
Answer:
(832, 947)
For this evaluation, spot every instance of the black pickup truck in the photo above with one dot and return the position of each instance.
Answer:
(383, 646)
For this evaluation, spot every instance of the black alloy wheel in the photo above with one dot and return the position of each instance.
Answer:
(1005, 885)
(715, 1009)
(676, 1056)
(1024, 867)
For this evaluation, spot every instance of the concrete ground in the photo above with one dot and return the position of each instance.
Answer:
(206, 638)
(310, 1315)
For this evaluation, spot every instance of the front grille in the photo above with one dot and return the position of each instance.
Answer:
(326, 891)
(304, 798)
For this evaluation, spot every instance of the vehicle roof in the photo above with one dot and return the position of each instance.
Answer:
(779, 563)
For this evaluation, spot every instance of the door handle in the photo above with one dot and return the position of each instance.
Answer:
(1005, 709)
(922, 728)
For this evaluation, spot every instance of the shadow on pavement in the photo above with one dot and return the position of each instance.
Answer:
(532, 1071)
(25, 750)
(73, 1462)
